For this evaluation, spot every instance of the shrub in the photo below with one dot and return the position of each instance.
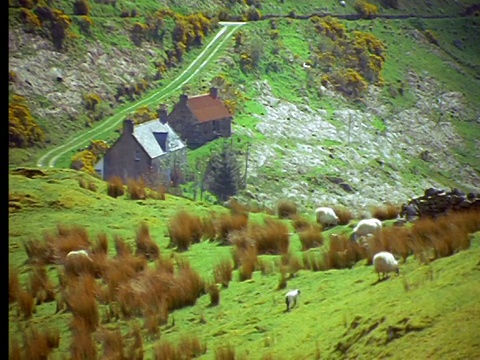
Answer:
(286, 209)
(115, 187)
(23, 131)
(81, 7)
(365, 9)
(91, 100)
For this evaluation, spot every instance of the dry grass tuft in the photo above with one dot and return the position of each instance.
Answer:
(270, 238)
(13, 284)
(40, 285)
(385, 212)
(311, 237)
(300, 223)
(190, 347)
(223, 272)
(79, 296)
(113, 344)
(229, 223)
(136, 188)
(39, 345)
(121, 247)
(344, 214)
(214, 293)
(342, 253)
(115, 187)
(82, 345)
(145, 245)
(184, 229)
(312, 261)
(286, 209)
(226, 352)
(166, 350)
(26, 303)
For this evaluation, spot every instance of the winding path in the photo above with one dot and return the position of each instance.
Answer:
(52, 156)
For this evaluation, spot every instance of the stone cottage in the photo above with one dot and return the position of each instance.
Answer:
(200, 119)
(152, 151)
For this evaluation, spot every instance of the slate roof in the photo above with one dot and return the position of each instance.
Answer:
(207, 108)
(147, 136)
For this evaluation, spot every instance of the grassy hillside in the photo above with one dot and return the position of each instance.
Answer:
(429, 311)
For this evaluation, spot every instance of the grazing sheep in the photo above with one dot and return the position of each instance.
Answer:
(366, 226)
(326, 216)
(384, 263)
(343, 3)
(76, 253)
(291, 298)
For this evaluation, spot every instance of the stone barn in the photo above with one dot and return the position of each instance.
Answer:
(200, 119)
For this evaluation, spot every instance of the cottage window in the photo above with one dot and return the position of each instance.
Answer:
(137, 155)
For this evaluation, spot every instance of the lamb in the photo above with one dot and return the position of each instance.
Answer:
(76, 253)
(326, 216)
(291, 298)
(384, 263)
(366, 226)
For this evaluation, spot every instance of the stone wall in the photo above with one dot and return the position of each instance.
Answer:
(435, 202)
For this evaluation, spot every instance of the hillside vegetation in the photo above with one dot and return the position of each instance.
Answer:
(359, 107)
(145, 297)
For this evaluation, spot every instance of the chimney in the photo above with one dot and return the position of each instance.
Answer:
(214, 92)
(183, 98)
(128, 126)
(162, 114)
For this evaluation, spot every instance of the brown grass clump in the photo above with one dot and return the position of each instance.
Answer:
(101, 245)
(119, 271)
(190, 347)
(229, 223)
(135, 350)
(39, 344)
(300, 223)
(311, 238)
(13, 284)
(166, 350)
(385, 212)
(165, 264)
(82, 345)
(115, 187)
(80, 298)
(342, 253)
(15, 352)
(26, 303)
(78, 265)
(286, 209)
(226, 352)
(184, 229)
(208, 227)
(214, 293)
(344, 214)
(271, 237)
(223, 272)
(55, 247)
(136, 188)
(145, 245)
(113, 344)
(121, 247)
(292, 263)
(40, 285)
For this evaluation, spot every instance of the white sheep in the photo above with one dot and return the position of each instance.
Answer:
(384, 263)
(291, 298)
(326, 216)
(343, 3)
(366, 226)
(76, 253)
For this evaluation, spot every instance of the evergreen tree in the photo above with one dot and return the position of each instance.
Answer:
(223, 178)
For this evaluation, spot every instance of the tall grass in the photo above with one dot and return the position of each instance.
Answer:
(145, 245)
(184, 229)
